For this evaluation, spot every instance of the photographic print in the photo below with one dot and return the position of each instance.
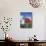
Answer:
(26, 19)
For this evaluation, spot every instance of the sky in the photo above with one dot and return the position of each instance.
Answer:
(26, 14)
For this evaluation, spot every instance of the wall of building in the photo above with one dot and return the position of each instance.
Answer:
(12, 8)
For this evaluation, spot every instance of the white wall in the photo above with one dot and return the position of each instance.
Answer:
(12, 8)
(45, 28)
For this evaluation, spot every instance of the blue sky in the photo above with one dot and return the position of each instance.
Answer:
(24, 14)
